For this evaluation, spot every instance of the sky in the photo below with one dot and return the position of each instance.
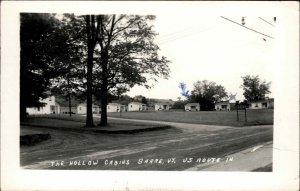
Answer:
(211, 48)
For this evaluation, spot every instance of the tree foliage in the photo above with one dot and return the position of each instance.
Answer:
(92, 55)
(254, 88)
(43, 52)
(124, 99)
(179, 104)
(140, 98)
(207, 93)
(126, 55)
(71, 84)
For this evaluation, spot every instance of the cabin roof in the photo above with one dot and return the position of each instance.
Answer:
(137, 103)
(189, 104)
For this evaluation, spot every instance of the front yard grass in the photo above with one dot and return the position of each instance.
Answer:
(225, 118)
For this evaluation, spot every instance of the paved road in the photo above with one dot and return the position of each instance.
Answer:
(184, 147)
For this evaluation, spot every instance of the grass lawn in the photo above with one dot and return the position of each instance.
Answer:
(227, 118)
(77, 122)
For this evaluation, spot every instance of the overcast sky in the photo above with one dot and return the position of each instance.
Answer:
(211, 48)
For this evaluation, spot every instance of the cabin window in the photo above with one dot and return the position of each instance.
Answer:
(50, 98)
(80, 108)
(256, 105)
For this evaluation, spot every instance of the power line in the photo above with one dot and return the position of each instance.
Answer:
(175, 33)
(266, 21)
(166, 40)
(166, 36)
(247, 27)
(178, 34)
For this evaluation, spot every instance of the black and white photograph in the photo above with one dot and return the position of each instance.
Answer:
(131, 92)
(155, 91)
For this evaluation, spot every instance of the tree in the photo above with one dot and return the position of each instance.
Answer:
(124, 99)
(43, 52)
(118, 53)
(77, 79)
(127, 55)
(71, 83)
(179, 104)
(92, 35)
(140, 98)
(207, 93)
(254, 88)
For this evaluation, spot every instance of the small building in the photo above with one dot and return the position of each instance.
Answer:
(81, 108)
(64, 107)
(66, 110)
(50, 107)
(262, 104)
(223, 106)
(116, 107)
(192, 107)
(162, 106)
(137, 106)
(66, 103)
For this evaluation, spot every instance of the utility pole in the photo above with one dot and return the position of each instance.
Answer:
(237, 110)
(245, 105)
(69, 97)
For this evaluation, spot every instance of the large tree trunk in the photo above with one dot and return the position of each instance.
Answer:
(89, 98)
(103, 121)
(104, 88)
(23, 115)
(91, 46)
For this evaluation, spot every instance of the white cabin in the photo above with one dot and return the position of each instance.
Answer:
(161, 106)
(223, 106)
(50, 107)
(116, 107)
(192, 107)
(262, 104)
(137, 106)
(81, 109)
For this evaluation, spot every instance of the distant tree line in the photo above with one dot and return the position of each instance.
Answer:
(207, 93)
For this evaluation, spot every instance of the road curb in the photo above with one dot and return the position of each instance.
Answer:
(98, 130)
